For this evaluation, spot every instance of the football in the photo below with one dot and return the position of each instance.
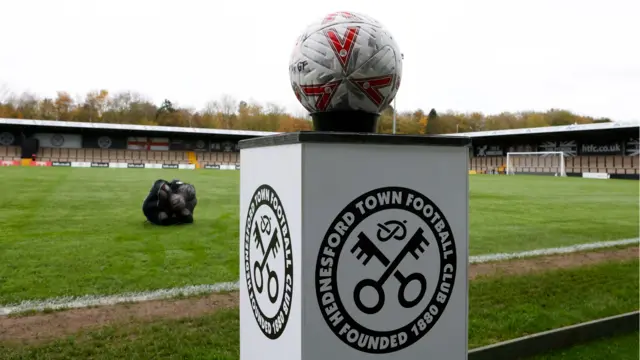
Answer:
(345, 63)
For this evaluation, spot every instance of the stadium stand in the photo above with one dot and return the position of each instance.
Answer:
(109, 155)
(611, 148)
(612, 164)
(89, 144)
(10, 153)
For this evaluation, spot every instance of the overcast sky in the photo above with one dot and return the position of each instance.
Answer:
(464, 55)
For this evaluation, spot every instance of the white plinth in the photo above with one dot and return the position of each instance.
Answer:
(353, 247)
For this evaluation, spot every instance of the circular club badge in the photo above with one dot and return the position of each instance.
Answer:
(268, 262)
(6, 138)
(385, 270)
(57, 140)
(104, 142)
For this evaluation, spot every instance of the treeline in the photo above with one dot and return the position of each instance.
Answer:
(229, 113)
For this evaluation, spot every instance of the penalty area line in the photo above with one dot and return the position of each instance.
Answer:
(71, 302)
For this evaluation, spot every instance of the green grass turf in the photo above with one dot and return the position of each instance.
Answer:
(618, 348)
(76, 231)
(517, 213)
(514, 306)
(82, 231)
(499, 309)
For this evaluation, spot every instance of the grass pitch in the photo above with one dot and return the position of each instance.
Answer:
(499, 309)
(75, 231)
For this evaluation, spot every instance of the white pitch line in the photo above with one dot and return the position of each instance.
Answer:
(70, 302)
(550, 251)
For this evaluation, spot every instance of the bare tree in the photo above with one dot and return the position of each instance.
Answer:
(228, 105)
(302, 114)
(5, 93)
(275, 109)
(212, 107)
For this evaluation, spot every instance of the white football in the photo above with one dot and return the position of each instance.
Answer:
(346, 61)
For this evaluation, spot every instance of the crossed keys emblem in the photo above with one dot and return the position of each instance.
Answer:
(260, 265)
(364, 250)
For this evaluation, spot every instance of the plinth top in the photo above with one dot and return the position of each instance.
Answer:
(353, 138)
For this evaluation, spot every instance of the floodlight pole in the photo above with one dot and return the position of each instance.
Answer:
(394, 106)
(394, 115)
